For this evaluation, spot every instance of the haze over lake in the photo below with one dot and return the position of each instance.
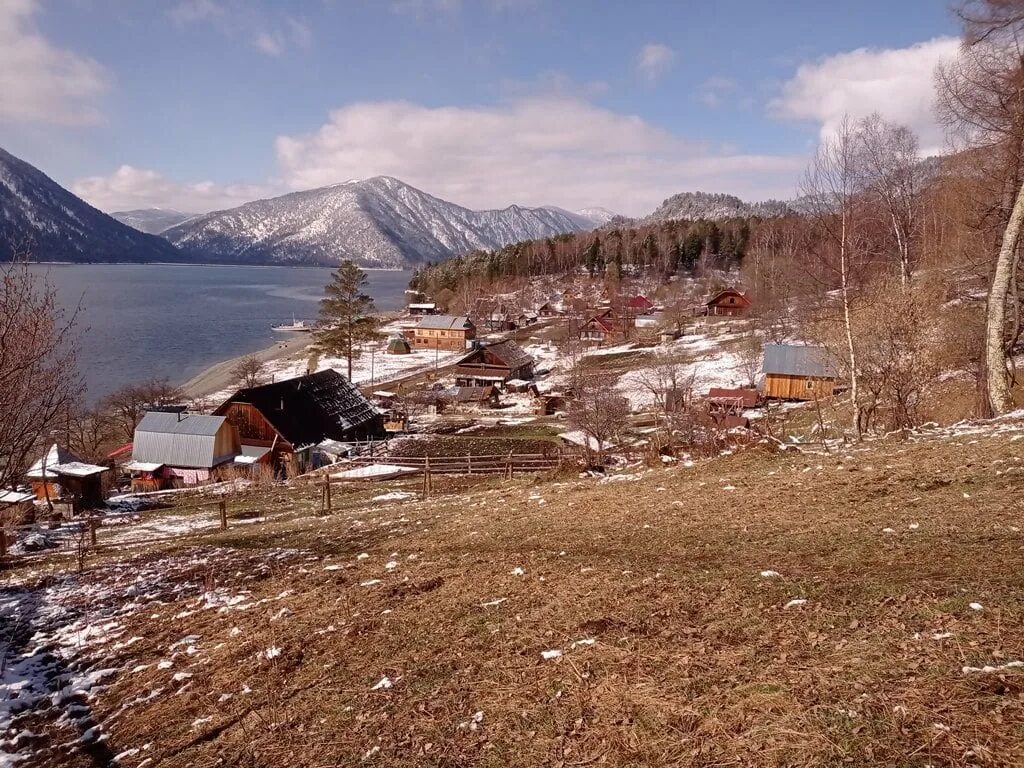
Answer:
(143, 321)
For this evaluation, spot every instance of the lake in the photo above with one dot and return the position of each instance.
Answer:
(144, 321)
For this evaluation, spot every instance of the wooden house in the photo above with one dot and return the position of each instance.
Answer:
(729, 302)
(599, 328)
(494, 364)
(172, 450)
(62, 476)
(797, 372)
(448, 332)
(288, 419)
(550, 309)
(422, 308)
(639, 305)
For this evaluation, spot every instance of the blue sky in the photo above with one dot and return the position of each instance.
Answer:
(200, 104)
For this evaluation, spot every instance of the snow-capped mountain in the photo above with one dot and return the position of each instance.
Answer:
(378, 222)
(41, 218)
(706, 205)
(597, 215)
(152, 220)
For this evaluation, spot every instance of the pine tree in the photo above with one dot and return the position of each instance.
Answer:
(346, 315)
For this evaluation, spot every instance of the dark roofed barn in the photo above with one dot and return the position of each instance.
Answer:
(293, 416)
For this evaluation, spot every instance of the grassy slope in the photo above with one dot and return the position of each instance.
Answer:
(695, 661)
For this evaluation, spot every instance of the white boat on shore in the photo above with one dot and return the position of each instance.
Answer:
(296, 326)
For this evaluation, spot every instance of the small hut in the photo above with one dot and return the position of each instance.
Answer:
(797, 372)
(397, 345)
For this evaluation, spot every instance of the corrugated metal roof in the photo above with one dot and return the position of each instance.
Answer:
(444, 322)
(797, 360)
(178, 440)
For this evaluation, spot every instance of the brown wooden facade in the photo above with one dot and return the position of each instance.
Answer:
(254, 429)
(789, 387)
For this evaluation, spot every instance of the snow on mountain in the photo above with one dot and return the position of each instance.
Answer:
(378, 222)
(153, 221)
(40, 217)
(706, 205)
(599, 216)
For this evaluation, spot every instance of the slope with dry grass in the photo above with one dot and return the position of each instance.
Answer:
(760, 609)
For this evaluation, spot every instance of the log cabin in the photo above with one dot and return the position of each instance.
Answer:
(449, 332)
(730, 303)
(797, 372)
(494, 364)
(288, 419)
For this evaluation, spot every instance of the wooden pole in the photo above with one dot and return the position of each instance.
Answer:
(3, 541)
(92, 531)
(426, 477)
(223, 505)
(327, 491)
(469, 463)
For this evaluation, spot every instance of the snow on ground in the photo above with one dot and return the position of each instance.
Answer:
(63, 640)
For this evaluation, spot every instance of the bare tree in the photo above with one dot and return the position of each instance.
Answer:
(39, 379)
(596, 409)
(127, 405)
(981, 97)
(831, 190)
(892, 168)
(249, 371)
(750, 352)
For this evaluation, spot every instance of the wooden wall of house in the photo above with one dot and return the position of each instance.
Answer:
(252, 426)
(783, 387)
(226, 442)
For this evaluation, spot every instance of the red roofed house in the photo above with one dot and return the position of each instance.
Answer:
(729, 302)
(599, 329)
(639, 305)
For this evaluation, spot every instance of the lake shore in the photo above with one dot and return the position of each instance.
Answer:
(216, 378)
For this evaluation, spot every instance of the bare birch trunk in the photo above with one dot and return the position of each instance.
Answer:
(844, 277)
(995, 325)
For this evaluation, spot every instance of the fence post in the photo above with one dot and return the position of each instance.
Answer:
(92, 530)
(511, 466)
(223, 505)
(469, 463)
(426, 477)
(3, 541)
(327, 491)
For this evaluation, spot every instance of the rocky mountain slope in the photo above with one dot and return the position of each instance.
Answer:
(378, 222)
(41, 218)
(152, 220)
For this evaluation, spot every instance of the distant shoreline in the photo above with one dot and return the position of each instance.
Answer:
(203, 264)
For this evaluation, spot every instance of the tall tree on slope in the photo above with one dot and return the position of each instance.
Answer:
(347, 317)
(981, 94)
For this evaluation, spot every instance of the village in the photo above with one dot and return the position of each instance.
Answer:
(674, 384)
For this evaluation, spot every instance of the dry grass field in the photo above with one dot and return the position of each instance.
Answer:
(858, 607)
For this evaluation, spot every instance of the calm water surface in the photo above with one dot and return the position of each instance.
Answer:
(141, 321)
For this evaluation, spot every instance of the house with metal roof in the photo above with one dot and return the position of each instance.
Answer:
(181, 448)
(289, 419)
(798, 372)
(450, 332)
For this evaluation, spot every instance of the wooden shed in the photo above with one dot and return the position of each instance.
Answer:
(797, 372)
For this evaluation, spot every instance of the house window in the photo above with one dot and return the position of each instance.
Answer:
(810, 384)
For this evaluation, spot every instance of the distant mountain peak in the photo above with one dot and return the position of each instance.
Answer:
(152, 220)
(379, 222)
(39, 215)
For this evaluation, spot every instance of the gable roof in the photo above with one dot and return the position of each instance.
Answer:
(178, 440)
(797, 360)
(509, 353)
(745, 397)
(309, 409)
(445, 322)
(54, 457)
(744, 301)
(473, 394)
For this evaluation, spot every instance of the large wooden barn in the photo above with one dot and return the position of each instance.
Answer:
(281, 423)
(797, 372)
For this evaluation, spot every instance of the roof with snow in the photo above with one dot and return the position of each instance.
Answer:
(797, 360)
(45, 466)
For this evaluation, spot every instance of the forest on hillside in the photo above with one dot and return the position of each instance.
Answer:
(905, 268)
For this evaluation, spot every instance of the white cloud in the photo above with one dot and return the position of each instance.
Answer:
(542, 149)
(654, 60)
(129, 187)
(188, 11)
(40, 82)
(898, 83)
(292, 34)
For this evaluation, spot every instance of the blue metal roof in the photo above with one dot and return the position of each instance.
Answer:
(797, 360)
